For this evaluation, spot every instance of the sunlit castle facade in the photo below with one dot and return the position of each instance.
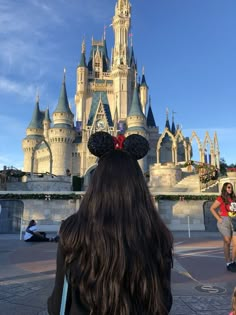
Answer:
(109, 98)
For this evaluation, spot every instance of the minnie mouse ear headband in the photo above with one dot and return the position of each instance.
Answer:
(102, 142)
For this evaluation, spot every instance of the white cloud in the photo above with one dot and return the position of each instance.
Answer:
(22, 89)
(47, 10)
(24, 32)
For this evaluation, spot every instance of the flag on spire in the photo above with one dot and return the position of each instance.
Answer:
(131, 39)
(104, 31)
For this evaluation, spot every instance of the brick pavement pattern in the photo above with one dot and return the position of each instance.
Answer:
(200, 282)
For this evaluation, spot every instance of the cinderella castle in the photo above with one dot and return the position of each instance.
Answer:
(108, 97)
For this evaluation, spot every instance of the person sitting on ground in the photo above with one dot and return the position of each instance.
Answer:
(115, 250)
(33, 235)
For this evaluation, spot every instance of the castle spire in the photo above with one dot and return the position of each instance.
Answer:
(83, 58)
(121, 25)
(63, 104)
(135, 109)
(37, 96)
(167, 119)
(150, 118)
(131, 39)
(143, 80)
(173, 129)
(36, 121)
(83, 47)
(104, 31)
(64, 77)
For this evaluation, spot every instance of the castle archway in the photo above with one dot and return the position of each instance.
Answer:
(181, 147)
(195, 147)
(208, 149)
(166, 147)
(216, 151)
(38, 145)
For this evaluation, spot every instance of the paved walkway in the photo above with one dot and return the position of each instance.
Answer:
(200, 282)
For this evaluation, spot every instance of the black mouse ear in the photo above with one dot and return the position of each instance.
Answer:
(100, 143)
(136, 145)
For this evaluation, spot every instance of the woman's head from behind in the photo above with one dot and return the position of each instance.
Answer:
(118, 182)
(118, 185)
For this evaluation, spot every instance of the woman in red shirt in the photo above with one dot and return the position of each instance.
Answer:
(224, 223)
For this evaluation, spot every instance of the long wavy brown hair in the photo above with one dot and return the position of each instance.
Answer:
(118, 250)
(225, 195)
(234, 301)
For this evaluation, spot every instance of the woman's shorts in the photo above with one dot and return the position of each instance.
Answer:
(226, 228)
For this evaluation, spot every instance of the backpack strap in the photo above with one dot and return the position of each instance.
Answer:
(64, 296)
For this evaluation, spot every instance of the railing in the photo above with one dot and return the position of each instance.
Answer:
(210, 183)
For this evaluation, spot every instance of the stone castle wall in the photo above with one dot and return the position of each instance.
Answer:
(49, 213)
(179, 215)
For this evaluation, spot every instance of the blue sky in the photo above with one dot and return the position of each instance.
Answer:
(187, 48)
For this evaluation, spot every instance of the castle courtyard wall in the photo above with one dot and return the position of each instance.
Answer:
(178, 214)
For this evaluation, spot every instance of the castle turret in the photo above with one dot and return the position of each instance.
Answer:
(81, 88)
(98, 61)
(136, 123)
(166, 145)
(153, 132)
(136, 117)
(121, 27)
(121, 58)
(34, 135)
(46, 124)
(62, 134)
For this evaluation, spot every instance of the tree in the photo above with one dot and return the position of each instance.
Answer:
(223, 167)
